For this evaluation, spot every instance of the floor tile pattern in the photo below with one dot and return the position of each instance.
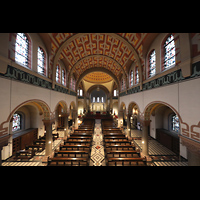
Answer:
(97, 150)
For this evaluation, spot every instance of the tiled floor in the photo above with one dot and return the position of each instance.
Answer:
(35, 161)
(97, 151)
(160, 155)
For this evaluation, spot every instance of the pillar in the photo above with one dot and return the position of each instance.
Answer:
(65, 124)
(49, 140)
(120, 118)
(75, 115)
(128, 125)
(145, 142)
(56, 119)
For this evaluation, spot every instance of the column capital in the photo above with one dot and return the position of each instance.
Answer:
(145, 122)
(48, 121)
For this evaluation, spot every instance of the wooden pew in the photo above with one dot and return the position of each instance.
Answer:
(24, 154)
(60, 161)
(73, 153)
(122, 153)
(119, 147)
(126, 161)
(75, 147)
(35, 147)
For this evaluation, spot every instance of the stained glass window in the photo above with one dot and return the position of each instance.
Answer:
(97, 99)
(16, 122)
(73, 84)
(102, 99)
(131, 78)
(22, 49)
(41, 61)
(136, 75)
(63, 77)
(169, 56)
(58, 74)
(115, 93)
(152, 63)
(81, 92)
(93, 100)
(175, 123)
(122, 84)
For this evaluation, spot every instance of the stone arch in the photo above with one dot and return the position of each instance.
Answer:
(63, 104)
(131, 105)
(155, 104)
(42, 106)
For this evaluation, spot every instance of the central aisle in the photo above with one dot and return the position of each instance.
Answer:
(97, 151)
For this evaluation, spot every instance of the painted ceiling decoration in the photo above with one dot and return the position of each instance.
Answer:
(85, 50)
(98, 77)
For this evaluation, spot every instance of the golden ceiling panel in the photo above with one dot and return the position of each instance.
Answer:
(98, 77)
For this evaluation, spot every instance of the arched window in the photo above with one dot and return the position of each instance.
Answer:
(41, 63)
(136, 75)
(63, 77)
(17, 122)
(131, 78)
(152, 64)
(22, 50)
(122, 84)
(174, 122)
(58, 74)
(169, 52)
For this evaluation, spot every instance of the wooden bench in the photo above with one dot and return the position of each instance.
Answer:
(80, 137)
(39, 142)
(115, 137)
(119, 147)
(115, 141)
(126, 161)
(36, 147)
(60, 161)
(24, 154)
(82, 134)
(75, 147)
(83, 131)
(122, 153)
(111, 131)
(73, 153)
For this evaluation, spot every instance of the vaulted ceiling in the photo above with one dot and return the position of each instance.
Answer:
(82, 51)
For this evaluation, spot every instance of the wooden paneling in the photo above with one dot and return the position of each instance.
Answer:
(23, 138)
(168, 139)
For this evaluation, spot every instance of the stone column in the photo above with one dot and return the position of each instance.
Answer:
(120, 118)
(75, 115)
(49, 140)
(65, 125)
(145, 142)
(128, 125)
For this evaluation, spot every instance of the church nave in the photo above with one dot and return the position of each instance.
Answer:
(144, 86)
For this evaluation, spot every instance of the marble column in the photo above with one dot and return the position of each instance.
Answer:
(49, 139)
(145, 142)
(65, 115)
(128, 125)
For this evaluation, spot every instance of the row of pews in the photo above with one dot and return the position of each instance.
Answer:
(119, 151)
(76, 149)
(38, 145)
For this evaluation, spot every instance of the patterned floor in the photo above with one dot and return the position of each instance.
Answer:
(37, 160)
(160, 155)
(97, 151)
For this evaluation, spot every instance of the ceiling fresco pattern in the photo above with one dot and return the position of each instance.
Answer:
(98, 77)
(86, 50)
